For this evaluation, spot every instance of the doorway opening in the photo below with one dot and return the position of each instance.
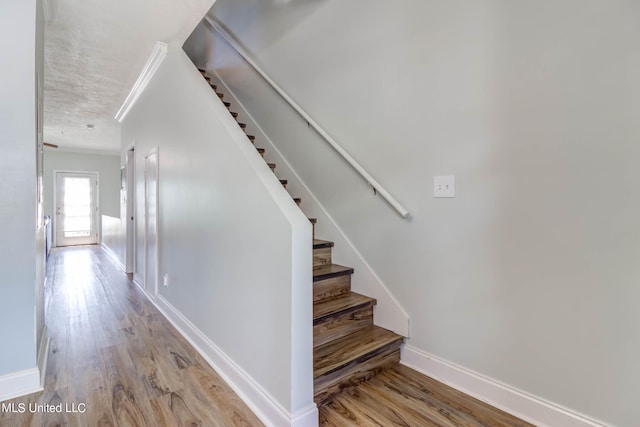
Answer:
(76, 201)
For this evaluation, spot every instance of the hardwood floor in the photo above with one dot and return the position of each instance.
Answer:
(116, 361)
(115, 357)
(403, 397)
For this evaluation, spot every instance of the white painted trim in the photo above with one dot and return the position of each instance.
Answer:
(113, 256)
(307, 417)
(130, 231)
(378, 188)
(158, 54)
(266, 408)
(521, 404)
(138, 280)
(396, 318)
(43, 354)
(156, 286)
(19, 384)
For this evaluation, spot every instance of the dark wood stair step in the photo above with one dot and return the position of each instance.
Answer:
(227, 104)
(252, 138)
(321, 252)
(220, 95)
(261, 151)
(329, 307)
(234, 114)
(242, 125)
(272, 165)
(213, 86)
(330, 281)
(330, 271)
(298, 200)
(353, 359)
(340, 316)
(284, 182)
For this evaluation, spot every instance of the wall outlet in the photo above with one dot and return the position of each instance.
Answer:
(444, 186)
(165, 280)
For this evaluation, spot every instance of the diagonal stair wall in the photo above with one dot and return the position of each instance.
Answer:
(232, 241)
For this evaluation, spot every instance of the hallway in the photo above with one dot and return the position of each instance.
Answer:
(114, 360)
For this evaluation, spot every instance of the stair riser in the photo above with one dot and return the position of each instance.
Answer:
(342, 324)
(321, 256)
(328, 288)
(355, 373)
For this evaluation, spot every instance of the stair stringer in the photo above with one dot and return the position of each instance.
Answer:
(388, 312)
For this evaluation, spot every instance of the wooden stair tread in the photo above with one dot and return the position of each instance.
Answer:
(317, 244)
(338, 353)
(331, 306)
(329, 271)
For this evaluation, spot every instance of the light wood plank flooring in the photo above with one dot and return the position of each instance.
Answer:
(112, 351)
(404, 397)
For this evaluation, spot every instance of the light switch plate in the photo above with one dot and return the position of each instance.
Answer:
(444, 186)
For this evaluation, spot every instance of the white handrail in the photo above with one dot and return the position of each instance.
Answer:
(218, 26)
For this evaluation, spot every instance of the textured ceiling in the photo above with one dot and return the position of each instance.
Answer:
(94, 52)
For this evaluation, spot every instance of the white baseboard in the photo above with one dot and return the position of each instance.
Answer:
(523, 405)
(307, 417)
(261, 403)
(138, 280)
(19, 383)
(113, 256)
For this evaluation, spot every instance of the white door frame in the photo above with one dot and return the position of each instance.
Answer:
(55, 204)
(154, 291)
(130, 210)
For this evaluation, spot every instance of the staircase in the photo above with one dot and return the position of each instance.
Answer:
(348, 348)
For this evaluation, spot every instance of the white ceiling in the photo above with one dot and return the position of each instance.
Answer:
(94, 52)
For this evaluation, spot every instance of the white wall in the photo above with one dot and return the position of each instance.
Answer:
(529, 276)
(22, 250)
(235, 247)
(114, 238)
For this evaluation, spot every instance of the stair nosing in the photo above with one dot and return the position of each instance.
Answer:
(343, 272)
(319, 244)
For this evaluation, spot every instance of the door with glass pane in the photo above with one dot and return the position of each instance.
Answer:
(76, 208)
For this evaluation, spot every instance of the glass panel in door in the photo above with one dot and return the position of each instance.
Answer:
(76, 211)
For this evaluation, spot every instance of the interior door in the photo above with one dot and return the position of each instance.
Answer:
(76, 208)
(151, 223)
